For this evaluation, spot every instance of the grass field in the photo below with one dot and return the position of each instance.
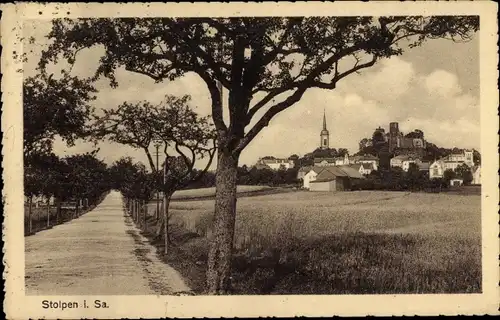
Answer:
(350, 242)
(202, 193)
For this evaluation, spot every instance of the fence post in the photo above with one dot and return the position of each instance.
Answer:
(136, 205)
(30, 214)
(145, 214)
(133, 209)
(77, 207)
(48, 212)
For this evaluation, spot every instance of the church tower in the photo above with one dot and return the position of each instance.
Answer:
(325, 135)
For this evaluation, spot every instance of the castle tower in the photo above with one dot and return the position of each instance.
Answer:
(325, 135)
(394, 136)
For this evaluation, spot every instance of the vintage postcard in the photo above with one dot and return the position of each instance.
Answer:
(250, 159)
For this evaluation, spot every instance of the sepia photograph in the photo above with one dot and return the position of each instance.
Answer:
(251, 155)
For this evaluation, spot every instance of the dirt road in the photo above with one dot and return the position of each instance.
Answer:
(100, 253)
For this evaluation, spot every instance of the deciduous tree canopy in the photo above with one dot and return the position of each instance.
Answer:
(54, 107)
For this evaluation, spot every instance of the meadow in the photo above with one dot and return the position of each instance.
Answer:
(339, 243)
(202, 193)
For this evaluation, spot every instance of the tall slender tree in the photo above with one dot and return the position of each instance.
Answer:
(265, 63)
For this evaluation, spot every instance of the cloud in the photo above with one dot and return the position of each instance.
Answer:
(442, 83)
(386, 81)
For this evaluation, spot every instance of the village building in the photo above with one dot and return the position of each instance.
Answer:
(367, 159)
(424, 166)
(404, 161)
(456, 182)
(311, 176)
(274, 163)
(363, 168)
(348, 160)
(324, 162)
(335, 178)
(303, 171)
(452, 161)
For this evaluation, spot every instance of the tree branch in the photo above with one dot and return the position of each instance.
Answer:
(217, 112)
(264, 121)
(332, 84)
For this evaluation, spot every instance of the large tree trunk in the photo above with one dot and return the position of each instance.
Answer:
(219, 258)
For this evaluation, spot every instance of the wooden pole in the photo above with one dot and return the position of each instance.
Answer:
(145, 215)
(77, 207)
(136, 210)
(48, 212)
(30, 207)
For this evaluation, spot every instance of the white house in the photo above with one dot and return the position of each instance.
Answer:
(368, 159)
(436, 170)
(366, 168)
(276, 164)
(311, 176)
(324, 162)
(466, 156)
(456, 182)
(438, 167)
(403, 161)
(302, 172)
(362, 168)
(407, 162)
(344, 161)
(397, 161)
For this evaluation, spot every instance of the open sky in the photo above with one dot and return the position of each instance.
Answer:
(434, 88)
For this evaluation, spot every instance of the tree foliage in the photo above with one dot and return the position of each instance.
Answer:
(132, 179)
(464, 172)
(54, 107)
(75, 177)
(288, 54)
(87, 177)
(185, 136)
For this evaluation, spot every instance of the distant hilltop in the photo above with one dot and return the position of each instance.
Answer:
(395, 139)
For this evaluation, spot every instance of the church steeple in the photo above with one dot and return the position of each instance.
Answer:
(325, 135)
(324, 120)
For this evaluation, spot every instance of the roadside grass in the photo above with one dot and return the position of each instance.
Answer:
(39, 218)
(345, 243)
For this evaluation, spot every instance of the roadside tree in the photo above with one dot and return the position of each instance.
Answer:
(187, 140)
(54, 107)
